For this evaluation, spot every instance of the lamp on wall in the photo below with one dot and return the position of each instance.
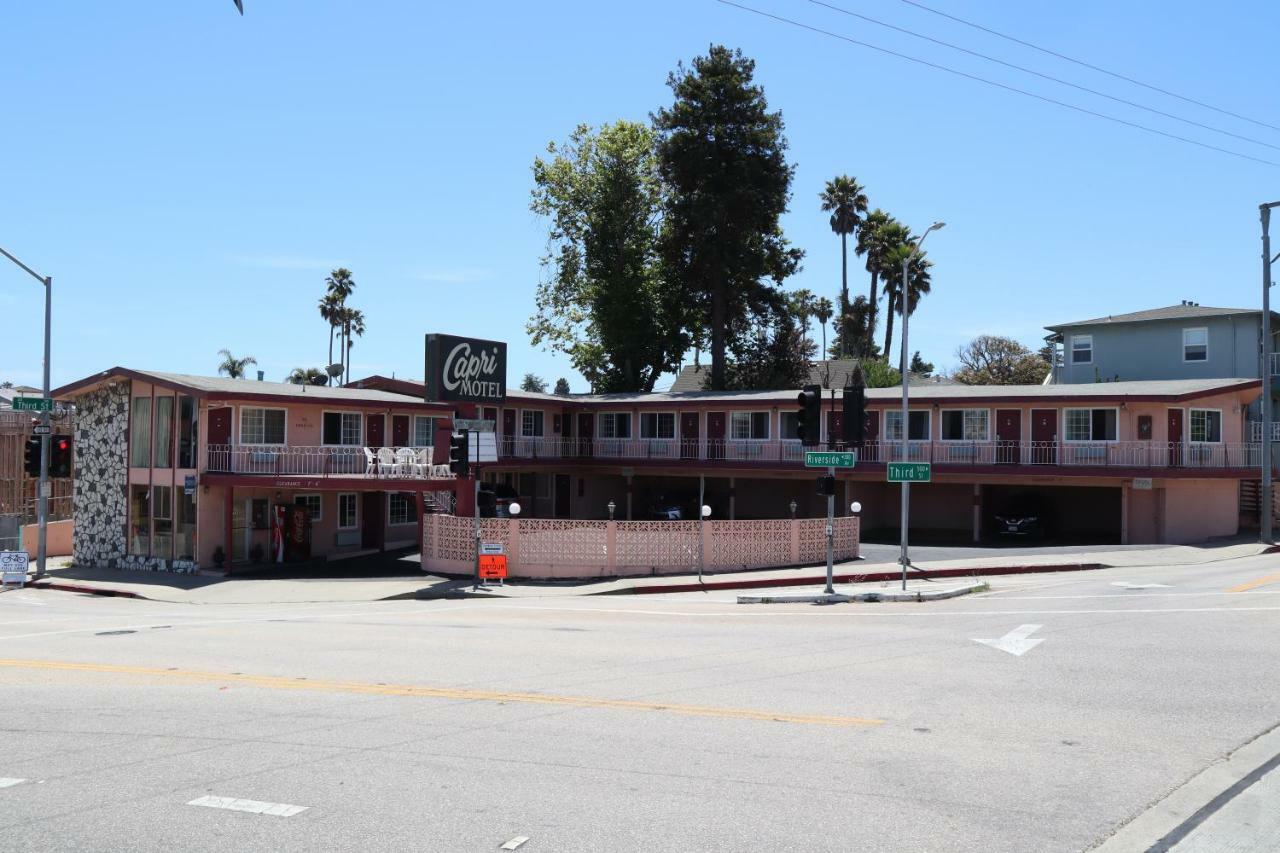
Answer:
(611, 507)
(793, 509)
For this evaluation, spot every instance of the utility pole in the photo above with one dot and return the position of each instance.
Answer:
(1267, 261)
(42, 499)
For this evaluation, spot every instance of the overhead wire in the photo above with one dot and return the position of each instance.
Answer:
(997, 84)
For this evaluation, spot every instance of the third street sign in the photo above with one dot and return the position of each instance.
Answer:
(910, 472)
(32, 404)
(829, 459)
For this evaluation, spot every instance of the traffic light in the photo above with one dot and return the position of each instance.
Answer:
(60, 456)
(31, 456)
(809, 416)
(855, 416)
(826, 485)
(459, 453)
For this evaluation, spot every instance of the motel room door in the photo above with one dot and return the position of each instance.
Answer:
(715, 435)
(1175, 437)
(586, 427)
(563, 483)
(690, 435)
(372, 519)
(1044, 436)
(870, 436)
(373, 432)
(400, 430)
(220, 434)
(1008, 436)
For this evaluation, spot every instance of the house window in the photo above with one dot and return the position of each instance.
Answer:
(1082, 349)
(164, 432)
(424, 431)
(1195, 344)
(788, 424)
(261, 426)
(918, 428)
(402, 508)
(613, 425)
(187, 437)
(140, 519)
(752, 426)
(312, 503)
(1091, 424)
(341, 428)
(1206, 426)
(140, 433)
(184, 547)
(657, 425)
(348, 516)
(965, 425)
(531, 423)
(162, 517)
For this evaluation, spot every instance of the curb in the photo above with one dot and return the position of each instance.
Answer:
(866, 577)
(841, 598)
(86, 590)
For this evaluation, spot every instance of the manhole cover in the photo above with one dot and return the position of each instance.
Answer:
(114, 633)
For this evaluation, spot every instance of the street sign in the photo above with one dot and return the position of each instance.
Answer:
(910, 472)
(493, 566)
(32, 404)
(491, 549)
(41, 429)
(189, 484)
(830, 459)
(470, 425)
(13, 567)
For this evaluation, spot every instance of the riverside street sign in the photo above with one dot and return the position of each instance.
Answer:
(830, 459)
(466, 370)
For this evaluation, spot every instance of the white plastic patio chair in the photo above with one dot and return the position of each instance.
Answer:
(423, 466)
(386, 462)
(406, 461)
(372, 462)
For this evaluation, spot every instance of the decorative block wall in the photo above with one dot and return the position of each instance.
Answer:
(100, 504)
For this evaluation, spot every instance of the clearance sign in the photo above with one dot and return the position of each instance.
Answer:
(467, 370)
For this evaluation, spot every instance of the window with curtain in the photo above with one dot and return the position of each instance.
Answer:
(402, 508)
(343, 428)
(613, 425)
(749, 425)
(140, 433)
(965, 425)
(184, 519)
(657, 425)
(531, 423)
(163, 457)
(1082, 349)
(348, 515)
(1195, 344)
(162, 521)
(140, 520)
(918, 425)
(424, 431)
(1206, 426)
(261, 426)
(1090, 424)
(187, 432)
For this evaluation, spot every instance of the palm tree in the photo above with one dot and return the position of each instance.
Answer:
(801, 305)
(340, 284)
(307, 376)
(875, 236)
(329, 306)
(352, 320)
(918, 286)
(232, 366)
(845, 199)
(822, 309)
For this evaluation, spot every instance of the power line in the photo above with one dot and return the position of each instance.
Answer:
(1035, 73)
(997, 84)
(1084, 64)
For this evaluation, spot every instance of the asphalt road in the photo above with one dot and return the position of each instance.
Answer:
(680, 722)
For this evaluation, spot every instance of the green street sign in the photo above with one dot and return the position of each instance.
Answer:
(32, 404)
(910, 472)
(830, 459)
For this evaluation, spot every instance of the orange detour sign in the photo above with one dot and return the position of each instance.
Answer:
(493, 566)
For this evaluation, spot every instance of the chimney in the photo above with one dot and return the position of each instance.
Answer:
(260, 375)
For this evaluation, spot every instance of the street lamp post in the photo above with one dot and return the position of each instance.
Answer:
(1267, 261)
(904, 295)
(42, 500)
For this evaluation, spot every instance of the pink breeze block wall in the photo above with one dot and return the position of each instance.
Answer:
(58, 536)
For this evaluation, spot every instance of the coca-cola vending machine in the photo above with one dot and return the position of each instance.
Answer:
(297, 533)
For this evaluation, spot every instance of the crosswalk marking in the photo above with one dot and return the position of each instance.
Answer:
(251, 806)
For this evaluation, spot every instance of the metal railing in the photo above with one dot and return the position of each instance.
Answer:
(1275, 364)
(1255, 431)
(344, 461)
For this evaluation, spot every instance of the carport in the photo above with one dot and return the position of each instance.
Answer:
(1076, 515)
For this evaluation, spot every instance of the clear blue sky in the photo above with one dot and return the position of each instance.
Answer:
(189, 176)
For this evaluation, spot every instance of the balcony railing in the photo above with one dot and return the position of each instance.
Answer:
(345, 461)
(1255, 431)
(1275, 364)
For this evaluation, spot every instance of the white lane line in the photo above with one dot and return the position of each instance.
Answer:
(857, 613)
(515, 842)
(9, 783)
(251, 806)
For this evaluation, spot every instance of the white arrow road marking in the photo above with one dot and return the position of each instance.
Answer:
(1015, 642)
(253, 806)
(515, 842)
(1128, 585)
(9, 783)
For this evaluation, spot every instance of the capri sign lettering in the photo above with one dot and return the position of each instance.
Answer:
(468, 370)
(910, 472)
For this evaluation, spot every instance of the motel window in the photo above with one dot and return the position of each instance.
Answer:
(531, 423)
(139, 520)
(613, 425)
(965, 425)
(788, 424)
(162, 517)
(312, 503)
(1206, 426)
(749, 425)
(658, 425)
(342, 428)
(187, 436)
(917, 429)
(164, 432)
(184, 521)
(1195, 344)
(1090, 424)
(424, 431)
(402, 508)
(261, 426)
(1082, 349)
(348, 516)
(140, 433)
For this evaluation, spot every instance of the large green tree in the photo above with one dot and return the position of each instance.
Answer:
(605, 299)
(722, 159)
(232, 366)
(339, 285)
(995, 360)
(772, 357)
(846, 200)
(880, 233)
(918, 285)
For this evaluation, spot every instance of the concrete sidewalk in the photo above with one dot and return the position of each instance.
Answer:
(213, 589)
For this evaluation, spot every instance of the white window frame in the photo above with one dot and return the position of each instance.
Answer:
(240, 426)
(1190, 420)
(986, 414)
(1062, 426)
(613, 419)
(391, 522)
(675, 426)
(343, 413)
(431, 431)
(355, 500)
(1072, 352)
(928, 424)
(1204, 329)
(750, 415)
(319, 515)
(541, 424)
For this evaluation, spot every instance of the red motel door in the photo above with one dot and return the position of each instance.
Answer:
(1044, 436)
(1175, 436)
(870, 436)
(690, 435)
(715, 435)
(373, 434)
(400, 430)
(220, 434)
(586, 428)
(835, 428)
(1008, 435)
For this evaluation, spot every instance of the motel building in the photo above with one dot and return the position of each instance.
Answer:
(178, 472)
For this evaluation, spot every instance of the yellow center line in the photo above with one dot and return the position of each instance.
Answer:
(1254, 584)
(271, 682)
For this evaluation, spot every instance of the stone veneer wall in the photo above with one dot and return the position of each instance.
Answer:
(100, 507)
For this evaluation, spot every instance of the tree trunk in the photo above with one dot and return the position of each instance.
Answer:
(328, 375)
(888, 328)
(872, 310)
(718, 319)
(346, 352)
(844, 295)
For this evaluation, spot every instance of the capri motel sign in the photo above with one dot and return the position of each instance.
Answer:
(467, 370)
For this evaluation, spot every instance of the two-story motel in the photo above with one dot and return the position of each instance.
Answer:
(177, 472)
